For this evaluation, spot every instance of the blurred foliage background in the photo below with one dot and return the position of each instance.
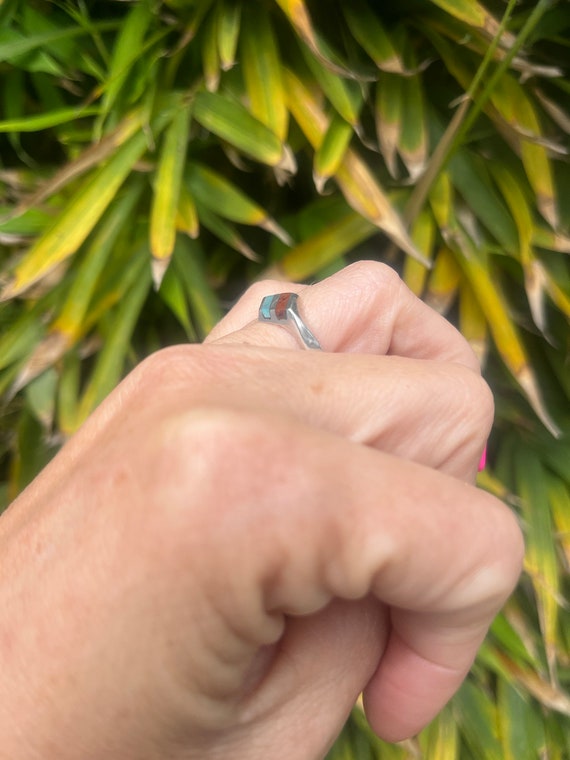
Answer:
(156, 156)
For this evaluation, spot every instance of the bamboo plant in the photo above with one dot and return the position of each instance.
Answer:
(157, 155)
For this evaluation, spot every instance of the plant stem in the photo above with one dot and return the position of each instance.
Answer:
(464, 118)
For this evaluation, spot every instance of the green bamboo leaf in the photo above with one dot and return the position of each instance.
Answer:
(365, 195)
(468, 11)
(76, 222)
(167, 185)
(520, 726)
(200, 10)
(68, 394)
(388, 113)
(441, 200)
(331, 152)
(219, 195)
(111, 359)
(70, 322)
(440, 740)
(299, 17)
(519, 207)
(443, 282)
(473, 14)
(92, 156)
(225, 232)
(471, 177)
(476, 716)
(423, 234)
(13, 44)
(126, 52)
(514, 105)
(506, 336)
(32, 453)
(321, 249)
(19, 342)
(548, 693)
(33, 21)
(509, 640)
(116, 279)
(232, 122)
(13, 96)
(413, 144)
(174, 296)
(344, 95)
(211, 64)
(367, 28)
(552, 241)
(557, 733)
(189, 262)
(555, 456)
(261, 65)
(47, 120)
(30, 224)
(41, 398)
(541, 560)
(187, 218)
(35, 61)
(228, 25)
(7, 11)
(355, 179)
(19, 339)
(473, 321)
(380, 749)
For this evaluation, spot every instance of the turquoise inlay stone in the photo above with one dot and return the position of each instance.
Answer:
(265, 308)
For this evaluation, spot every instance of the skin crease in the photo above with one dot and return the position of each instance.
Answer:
(245, 535)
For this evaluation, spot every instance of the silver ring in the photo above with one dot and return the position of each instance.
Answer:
(281, 309)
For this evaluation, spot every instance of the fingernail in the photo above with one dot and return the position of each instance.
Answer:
(483, 460)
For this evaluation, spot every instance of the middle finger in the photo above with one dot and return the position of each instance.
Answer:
(432, 412)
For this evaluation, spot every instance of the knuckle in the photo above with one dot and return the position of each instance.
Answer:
(234, 451)
(226, 474)
(164, 371)
(506, 554)
(374, 277)
(474, 401)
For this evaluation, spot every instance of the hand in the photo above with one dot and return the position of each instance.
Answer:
(245, 536)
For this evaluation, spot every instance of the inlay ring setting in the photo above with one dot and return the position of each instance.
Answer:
(282, 309)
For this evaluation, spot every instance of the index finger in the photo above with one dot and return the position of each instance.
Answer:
(364, 308)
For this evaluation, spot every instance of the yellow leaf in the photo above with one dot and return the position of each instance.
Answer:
(473, 14)
(228, 19)
(78, 219)
(501, 325)
(331, 151)
(222, 197)
(321, 249)
(232, 122)
(187, 218)
(299, 17)
(443, 281)
(388, 115)
(423, 234)
(167, 183)
(359, 187)
(211, 63)
(261, 66)
(513, 104)
(473, 322)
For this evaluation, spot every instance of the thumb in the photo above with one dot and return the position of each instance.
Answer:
(315, 518)
(315, 676)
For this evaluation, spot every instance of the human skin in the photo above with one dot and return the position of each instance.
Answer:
(246, 535)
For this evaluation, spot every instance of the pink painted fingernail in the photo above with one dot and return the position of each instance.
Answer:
(483, 460)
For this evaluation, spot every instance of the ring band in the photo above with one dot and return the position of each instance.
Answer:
(281, 309)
